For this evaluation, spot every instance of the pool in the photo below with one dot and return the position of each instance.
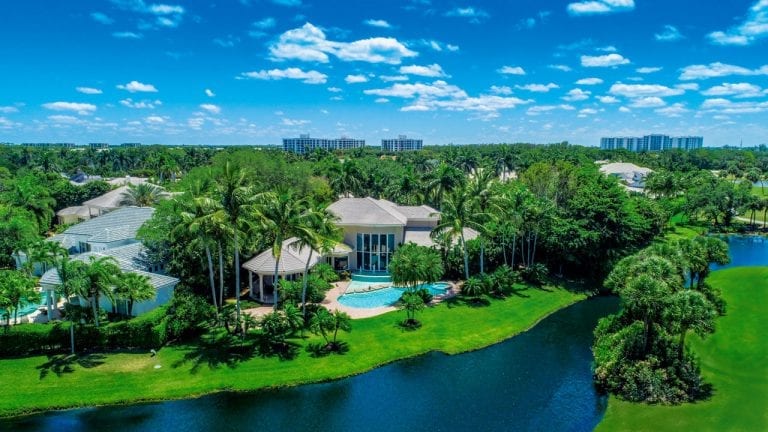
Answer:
(386, 296)
(25, 309)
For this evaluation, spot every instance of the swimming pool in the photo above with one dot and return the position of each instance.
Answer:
(24, 309)
(386, 296)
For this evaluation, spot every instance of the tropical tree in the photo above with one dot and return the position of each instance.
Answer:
(234, 195)
(100, 273)
(488, 204)
(141, 195)
(345, 178)
(458, 212)
(443, 180)
(320, 234)
(17, 288)
(133, 287)
(410, 267)
(280, 216)
(328, 324)
(689, 310)
(72, 282)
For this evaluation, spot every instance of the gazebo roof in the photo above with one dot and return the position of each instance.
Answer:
(293, 259)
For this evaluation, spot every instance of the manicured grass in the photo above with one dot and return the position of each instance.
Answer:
(734, 360)
(196, 370)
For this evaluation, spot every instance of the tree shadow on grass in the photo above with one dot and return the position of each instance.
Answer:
(320, 349)
(473, 302)
(215, 351)
(283, 350)
(65, 363)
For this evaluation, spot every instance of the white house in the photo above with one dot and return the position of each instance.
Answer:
(373, 230)
(113, 235)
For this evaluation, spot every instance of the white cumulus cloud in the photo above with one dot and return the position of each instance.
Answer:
(592, 7)
(433, 70)
(607, 60)
(209, 93)
(512, 70)
(717, 69)
(644, 90)
(80, 108)
(89, 90)
(309, 43)
(307, 77)
(669, 34)
(589, 81)
(738, 90)
(538, 88)
(380, 23)
(211, 108)
(753, 28)
(355, 79)
(135, 86)
(648, 70)
(577, 94)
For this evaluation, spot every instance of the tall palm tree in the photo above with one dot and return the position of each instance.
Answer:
(100, 273)
(234, 195)
(133, 287)
(281, 216)
(321, 234)
(487, 202)
(459, 212)
(142, 195)
(73, 282)
(345, 178)
(441, 181)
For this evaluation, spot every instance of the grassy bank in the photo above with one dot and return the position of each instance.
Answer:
(43, 383)
(734, 360)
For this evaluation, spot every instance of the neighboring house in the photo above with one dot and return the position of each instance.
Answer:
(113, 234)
(101, 204)
(373, 230)
(629, 175)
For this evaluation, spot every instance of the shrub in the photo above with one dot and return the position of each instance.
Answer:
(325, 272)
(188, 315)
(535, 274)
(425, 295)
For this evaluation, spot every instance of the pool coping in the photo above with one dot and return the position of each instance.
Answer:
(331, 301)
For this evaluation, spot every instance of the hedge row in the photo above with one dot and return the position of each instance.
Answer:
(146, 331)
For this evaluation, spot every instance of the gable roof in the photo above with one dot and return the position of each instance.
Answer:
(121, 224)
(378, 212)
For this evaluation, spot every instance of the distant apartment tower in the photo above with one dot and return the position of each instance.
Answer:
(99, 146)
(131, 145)
(653, 142)
(305, 144)
(48, 145)
(401, 143)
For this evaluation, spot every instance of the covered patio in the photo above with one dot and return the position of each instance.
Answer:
(293, 261)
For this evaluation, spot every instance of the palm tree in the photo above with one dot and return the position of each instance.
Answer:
(100, 273)
(73, 282)
(486, 201)
(142, 195)
(234, 195)
(204, 221)
(344, 178)
(133, 287)
(281, 216)
(17, 288)
(321, 234)
(441, 181)
(324, 322)
(459, 212)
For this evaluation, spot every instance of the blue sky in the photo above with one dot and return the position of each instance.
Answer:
(255, 71)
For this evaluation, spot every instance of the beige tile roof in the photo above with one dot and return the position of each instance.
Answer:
(378, 212)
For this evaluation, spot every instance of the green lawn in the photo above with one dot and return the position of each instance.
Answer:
(188, 371)
(734, 360)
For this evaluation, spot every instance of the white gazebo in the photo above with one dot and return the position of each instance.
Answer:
(293, 261)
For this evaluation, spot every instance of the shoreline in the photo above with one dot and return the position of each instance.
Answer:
(242, 387)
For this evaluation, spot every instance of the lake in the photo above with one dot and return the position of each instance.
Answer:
(540, 380)
(746, 251)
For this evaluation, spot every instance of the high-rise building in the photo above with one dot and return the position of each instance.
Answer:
(653, 142)
(401, 143)
(304, 144)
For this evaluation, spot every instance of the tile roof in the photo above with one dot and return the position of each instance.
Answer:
(371, 211)
(121, 224)
(128, 259)
(292, 259)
